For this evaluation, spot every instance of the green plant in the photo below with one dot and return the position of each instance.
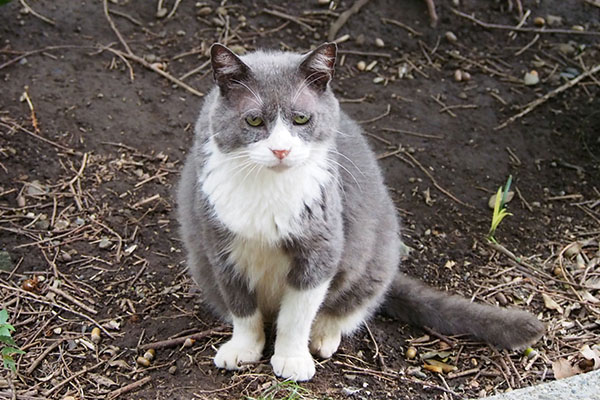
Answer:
(286, 390)
(500, 211)
(7, 342)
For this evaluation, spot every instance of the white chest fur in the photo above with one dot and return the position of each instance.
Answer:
(259, 203)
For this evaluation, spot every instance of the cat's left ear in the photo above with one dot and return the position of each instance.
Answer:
(318, 66)
(228, 69)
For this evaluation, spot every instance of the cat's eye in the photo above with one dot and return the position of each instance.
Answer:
(301, 119)
(254, 121)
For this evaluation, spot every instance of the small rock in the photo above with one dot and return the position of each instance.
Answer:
(501, 298)
(173, 369)
(578, 28)
(204, 11)
(466, 76)
(411, 352)
(35, 188)
(79, 221)
(554, 20)
(360, 39)
(180, 32)
(323, 2)
(21, 201)
(348, 391)
(66, 257)
(104, 243)
(6, 263)
(531, 78)
(151, 58)
(42, 224)
(379, 42)
(61, 224)
(378, 79)
(539, 21)
(573, 249)
(458, 75)
(451, 37)
(463, 95)
(361, 65)
(492, 200)
(566, 48)
(161, 12)
(222, 11)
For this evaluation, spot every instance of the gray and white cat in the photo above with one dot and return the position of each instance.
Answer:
(286, 219)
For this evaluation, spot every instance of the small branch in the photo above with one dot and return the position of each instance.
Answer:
(401, 25)
(128, 388)
(343, 18)
(385, 114)
(159, 71)
(296, 20)
(36, 14)
(437, 186)
(517, 29)
(114, 27)
(180, 340)
(532, 105)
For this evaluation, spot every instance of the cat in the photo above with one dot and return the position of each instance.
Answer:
(286, 219)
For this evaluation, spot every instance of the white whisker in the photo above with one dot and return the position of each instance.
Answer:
(259, 101)
(351, 162)
(349, 173)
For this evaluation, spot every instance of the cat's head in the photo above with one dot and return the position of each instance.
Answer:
(275, 108)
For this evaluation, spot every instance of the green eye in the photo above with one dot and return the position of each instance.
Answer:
(254, 121)
(301, 119)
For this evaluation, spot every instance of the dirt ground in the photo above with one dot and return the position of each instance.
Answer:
(92, 138)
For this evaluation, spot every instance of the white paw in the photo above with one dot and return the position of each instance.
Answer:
(325, 344)
(233, 353)
(298, 367)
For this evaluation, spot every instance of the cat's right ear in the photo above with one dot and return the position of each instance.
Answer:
(228, 69)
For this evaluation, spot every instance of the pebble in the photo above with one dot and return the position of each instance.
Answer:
(35, 188)
(61, 224)
(222, 11)
(361, 65)
(501, 298)
(463, 95)
(371, 65)
(411, 352)
(360, 39)
(180, 32)
(173, 369)
(204, 11)
(451, 37)
(573, 250)
(531, 78)
(566, 48)
(539, 21)
(578, 28)
(458, 75)
(554, 20)
(379, 42)
(6, 263)
(104, 243)
(378, 79)
(21, 201)
(323, 2)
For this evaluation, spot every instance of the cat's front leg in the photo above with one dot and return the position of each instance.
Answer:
(248, 339)
(291, 358)
(246, 343)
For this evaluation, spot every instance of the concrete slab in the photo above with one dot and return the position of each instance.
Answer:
(578, 387)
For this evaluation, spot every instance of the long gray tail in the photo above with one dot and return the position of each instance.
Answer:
(413, 302)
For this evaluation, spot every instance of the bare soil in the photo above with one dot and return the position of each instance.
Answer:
(92, 137)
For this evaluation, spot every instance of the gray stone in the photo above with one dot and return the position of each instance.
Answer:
(578, 387)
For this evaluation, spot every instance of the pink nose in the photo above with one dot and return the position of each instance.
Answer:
(281, 154)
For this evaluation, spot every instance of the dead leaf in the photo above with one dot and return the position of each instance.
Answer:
(588, 297)
(551, 304)
(443, 366)
(591, 354)
(562, 368)
(102, 380)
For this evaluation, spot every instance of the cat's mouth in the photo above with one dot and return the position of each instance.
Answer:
(280, 167)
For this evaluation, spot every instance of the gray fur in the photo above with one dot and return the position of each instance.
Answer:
(351, 235)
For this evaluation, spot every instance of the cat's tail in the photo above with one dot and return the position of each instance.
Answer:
(413, 302)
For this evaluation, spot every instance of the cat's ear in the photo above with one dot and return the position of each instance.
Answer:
(227, 68)
(318, 66)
